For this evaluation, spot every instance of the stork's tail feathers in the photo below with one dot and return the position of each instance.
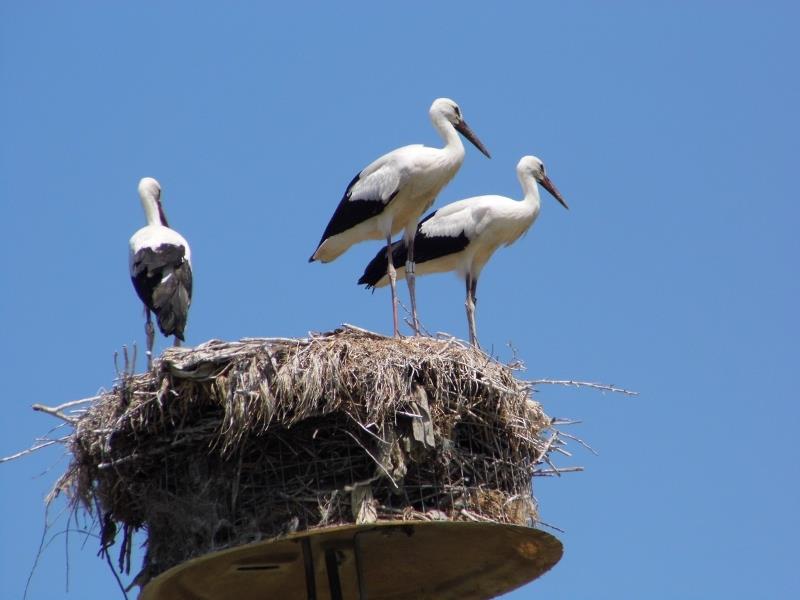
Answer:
(378, 266)
(171, 323)
(172, 311)
(171, 301)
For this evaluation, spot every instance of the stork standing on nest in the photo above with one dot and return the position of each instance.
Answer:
(462, 236)
(161, 269)
(393, 192)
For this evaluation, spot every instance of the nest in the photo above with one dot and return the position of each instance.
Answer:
(233, 442)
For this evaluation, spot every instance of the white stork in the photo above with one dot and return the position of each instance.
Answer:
(392, 193)
(161, 268)
(462, 236)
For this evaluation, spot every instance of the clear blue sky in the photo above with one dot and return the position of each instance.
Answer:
(671, 128)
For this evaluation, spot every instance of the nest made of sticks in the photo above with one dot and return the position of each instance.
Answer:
(232, 442)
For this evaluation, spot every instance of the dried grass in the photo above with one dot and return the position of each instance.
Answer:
(232, 442)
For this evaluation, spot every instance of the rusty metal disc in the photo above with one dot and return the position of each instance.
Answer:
(381, 561)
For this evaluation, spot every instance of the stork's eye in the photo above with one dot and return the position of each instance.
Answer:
(458, 111)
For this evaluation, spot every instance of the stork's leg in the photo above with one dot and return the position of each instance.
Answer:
(150, 334)
(411, 280)
(473, 295)
(176, 342)
(471, 284)
(393, 284)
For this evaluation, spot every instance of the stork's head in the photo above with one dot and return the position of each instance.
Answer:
(531, 166)
(149, 187)
(150, 194)
(449, 110)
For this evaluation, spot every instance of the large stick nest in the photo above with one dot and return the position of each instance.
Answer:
(232, 442)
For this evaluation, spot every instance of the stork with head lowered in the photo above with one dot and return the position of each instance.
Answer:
(160, 268)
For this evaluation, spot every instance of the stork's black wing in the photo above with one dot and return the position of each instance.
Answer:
(162, 278)
(426, 247)
(375, 191)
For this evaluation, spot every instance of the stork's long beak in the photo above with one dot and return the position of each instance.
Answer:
(464, 129)
(550, 187)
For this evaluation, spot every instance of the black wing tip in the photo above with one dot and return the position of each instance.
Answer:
(172, 324)
(375, 269)
(366, 282)
(371, 275)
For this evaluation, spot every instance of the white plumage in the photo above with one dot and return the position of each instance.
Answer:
(160, 267)
(462, 236)
(391, 194)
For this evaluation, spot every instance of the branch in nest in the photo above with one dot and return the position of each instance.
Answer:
(580, 441)
(553, 470)
(375, 460)
(30, 450)
(58, 411)
(597, 386)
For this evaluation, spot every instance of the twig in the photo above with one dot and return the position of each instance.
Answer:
(557, 471)
(76, 402)
(104, 551)
(516, 363)
(28, 450)
(474, 517)
(407, 320)
(538, 522)
(580, 441)
(554, 468)
(375, 435)
(408, 414)
(377, 462)
(547, 445)
(66, 547)
(362, 330)
(38, 553)
(569, 382)
(55, 412)
(355, 484)
(262, 340)
(114, 572)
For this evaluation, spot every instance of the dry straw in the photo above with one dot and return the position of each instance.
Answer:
(232, 442)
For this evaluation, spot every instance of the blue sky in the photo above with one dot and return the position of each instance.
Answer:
(671, 129)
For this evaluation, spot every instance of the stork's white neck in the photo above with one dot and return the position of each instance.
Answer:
(152, 211)
(531, 190)
(448, 133)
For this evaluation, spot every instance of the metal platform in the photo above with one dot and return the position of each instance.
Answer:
(382, 561)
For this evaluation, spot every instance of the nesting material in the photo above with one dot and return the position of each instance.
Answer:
(233, 442)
